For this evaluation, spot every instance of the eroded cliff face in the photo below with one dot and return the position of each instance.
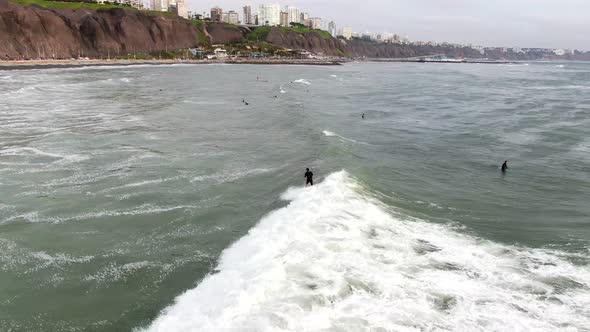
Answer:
(361, 48)
(311, 41)
(221, 33)
(34, 32)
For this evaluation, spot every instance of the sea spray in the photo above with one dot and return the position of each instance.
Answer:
(334, 258)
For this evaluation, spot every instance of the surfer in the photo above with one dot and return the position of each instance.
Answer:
(504, 166)
(308, 178)
(363, 116)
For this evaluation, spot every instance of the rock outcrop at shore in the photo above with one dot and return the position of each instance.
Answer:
(35, 32)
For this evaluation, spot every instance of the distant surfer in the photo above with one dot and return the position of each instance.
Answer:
(363, 116)
(505, 166)
(308, 178)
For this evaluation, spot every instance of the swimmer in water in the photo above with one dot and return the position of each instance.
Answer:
(504, 166)
(363, 116)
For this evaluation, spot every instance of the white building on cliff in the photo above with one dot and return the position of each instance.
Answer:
(269, 15)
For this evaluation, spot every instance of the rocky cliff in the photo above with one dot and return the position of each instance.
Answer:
(221, 33)
(311, 41)
(362, 48)
(35, 32)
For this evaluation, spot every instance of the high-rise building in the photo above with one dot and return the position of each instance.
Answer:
(269, 14)
(181, 9)
(230, 17)
(133, 3)
(159, 5)
(173, 8)
(284, 19)
(303, 17)
(294, 14)
(248, 18)
(316, 23)
(347, 32)
(332, 28)
(216, 14)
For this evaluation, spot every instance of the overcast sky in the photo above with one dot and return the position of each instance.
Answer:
(524, 23)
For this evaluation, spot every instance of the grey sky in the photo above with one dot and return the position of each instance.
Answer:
(524, 23)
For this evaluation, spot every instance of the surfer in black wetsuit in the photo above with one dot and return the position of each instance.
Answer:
(363, 116)
(308, 178)
(504, 166)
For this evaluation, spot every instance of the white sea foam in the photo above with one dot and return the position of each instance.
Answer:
(33, 218)
(230, 176)
(59, 258)
(302, 81)
(140, 210)
(561, 87)
(328, 133)
(27, 152)
(335, 260)
(114, 272)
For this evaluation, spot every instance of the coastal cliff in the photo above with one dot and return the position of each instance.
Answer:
(362, 48)
(313, 41)
(36, 32)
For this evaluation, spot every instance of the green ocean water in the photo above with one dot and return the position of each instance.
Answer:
(121, 187)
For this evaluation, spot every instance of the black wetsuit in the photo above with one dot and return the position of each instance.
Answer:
(504, 167)
(309, 178)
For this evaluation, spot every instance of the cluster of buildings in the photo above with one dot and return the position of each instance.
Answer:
(176, 6)
(270, 15)
(275, 15)
(131, 3)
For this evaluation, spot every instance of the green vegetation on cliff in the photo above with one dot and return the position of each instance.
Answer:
(200, 26)
(52, 4)
(71, 5)
(303, 30)
(259, 34)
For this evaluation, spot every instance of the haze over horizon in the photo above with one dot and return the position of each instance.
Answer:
(501, 23)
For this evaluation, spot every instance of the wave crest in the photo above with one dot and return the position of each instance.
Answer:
(336, 259)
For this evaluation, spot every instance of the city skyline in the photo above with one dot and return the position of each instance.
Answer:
(522, 23)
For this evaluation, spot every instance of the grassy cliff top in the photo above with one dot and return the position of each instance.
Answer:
(260, 33)
(79, 5)
(60, 5)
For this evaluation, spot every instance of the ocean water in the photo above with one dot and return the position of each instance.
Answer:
(150, 198)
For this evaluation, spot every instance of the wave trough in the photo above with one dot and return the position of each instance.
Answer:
(334, 258)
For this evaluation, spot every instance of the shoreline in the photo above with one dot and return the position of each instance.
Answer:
(51, 64)
(489, 62)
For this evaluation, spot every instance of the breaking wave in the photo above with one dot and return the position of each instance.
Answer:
(328, 133)
(336, 259)
(302, 81)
